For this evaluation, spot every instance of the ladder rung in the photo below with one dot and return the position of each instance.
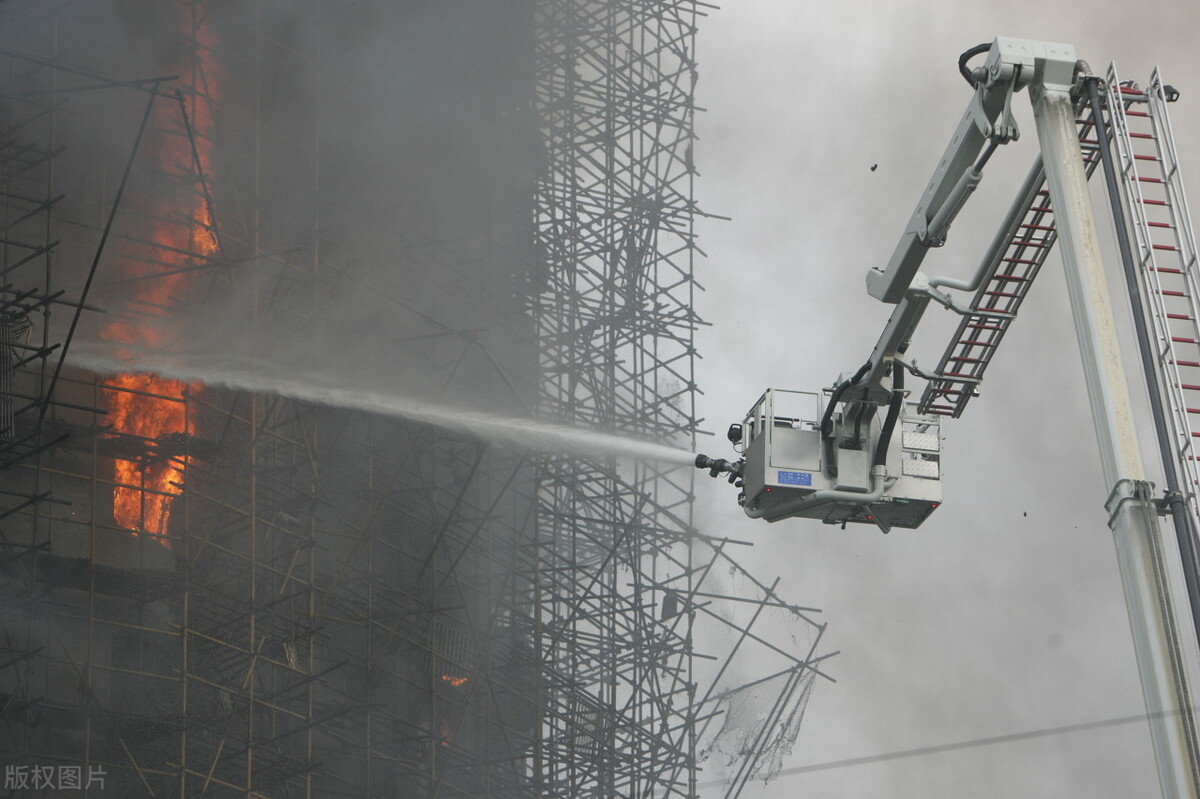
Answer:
(965, 359)
(976, 342)
(986, 327)
(1136, 114)
(1167, 247)
(1027, 243)
(1010, 277)
(1038, 227)
(1043, 208)
(1141, 136)
(1184, 363)
(1001, 294)
(1146, 157)
(1167, 225)
(1017, 261)
(1179, 340)
(1155, 202)
(996, 312)
(957, 377)
(1187, 386)
(1166, 270)
(1150, 180)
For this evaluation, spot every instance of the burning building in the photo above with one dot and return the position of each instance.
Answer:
(209, 591)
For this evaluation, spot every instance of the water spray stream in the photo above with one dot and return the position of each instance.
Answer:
(255, 377)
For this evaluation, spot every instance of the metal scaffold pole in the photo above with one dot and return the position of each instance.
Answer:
(258, 594)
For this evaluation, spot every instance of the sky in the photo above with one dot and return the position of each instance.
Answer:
(1003, 613)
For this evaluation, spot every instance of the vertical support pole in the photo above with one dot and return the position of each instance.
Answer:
(1133, 519)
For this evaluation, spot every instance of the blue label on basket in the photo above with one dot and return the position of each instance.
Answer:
(795, 478)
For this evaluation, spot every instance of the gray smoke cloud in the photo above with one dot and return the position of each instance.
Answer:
(384, 136)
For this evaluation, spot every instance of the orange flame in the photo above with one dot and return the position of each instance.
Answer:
(146, 405)
(457, 682)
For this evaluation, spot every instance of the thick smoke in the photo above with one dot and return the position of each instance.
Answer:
(371, 175)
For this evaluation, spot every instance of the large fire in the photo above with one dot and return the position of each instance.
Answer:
(146, 405)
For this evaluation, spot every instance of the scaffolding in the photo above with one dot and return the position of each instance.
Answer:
(311, 601)
(27, 151)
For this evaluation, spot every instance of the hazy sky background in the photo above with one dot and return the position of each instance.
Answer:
(1004, 612)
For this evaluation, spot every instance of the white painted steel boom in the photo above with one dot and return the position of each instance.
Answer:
(1133, 513)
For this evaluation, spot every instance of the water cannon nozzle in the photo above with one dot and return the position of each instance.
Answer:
(717, 466)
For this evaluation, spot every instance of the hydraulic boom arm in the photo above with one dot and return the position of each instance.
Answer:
(834, 460)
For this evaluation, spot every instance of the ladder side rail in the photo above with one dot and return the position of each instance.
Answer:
(1154, 293)
(1181, 218)
(1184, 238)
(1175, 379)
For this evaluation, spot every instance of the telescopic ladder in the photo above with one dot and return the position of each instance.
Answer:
(1007, 279)
(1164, 247)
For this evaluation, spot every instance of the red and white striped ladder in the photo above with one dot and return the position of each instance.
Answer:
(1165, 250)
(1006, 282)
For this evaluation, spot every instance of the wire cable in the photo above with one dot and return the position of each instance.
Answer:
(1065, 729)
